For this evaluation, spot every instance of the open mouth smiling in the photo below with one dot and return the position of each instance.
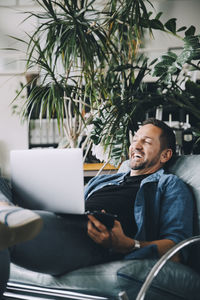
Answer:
(137, 155)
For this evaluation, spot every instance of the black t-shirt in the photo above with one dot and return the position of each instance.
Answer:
(119, 200)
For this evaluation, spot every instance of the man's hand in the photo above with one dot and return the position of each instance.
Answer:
(119, 242)
(115, 238)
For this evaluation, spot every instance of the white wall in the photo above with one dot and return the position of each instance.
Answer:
(14, 135)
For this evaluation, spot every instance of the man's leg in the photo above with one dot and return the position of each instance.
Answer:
(61, 246)
(16, 224)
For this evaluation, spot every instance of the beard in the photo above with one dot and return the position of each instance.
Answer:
(138, 166)
(142, 164)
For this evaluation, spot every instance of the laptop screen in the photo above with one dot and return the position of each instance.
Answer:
(48, 179)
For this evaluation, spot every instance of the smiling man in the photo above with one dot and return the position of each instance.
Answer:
(154, 208)
(149, 150)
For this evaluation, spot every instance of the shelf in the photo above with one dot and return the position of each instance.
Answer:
(91, 169)
(53, 145)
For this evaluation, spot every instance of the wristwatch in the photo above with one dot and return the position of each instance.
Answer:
(137, 244)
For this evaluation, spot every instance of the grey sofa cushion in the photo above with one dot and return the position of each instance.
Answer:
(174, 281)
(97, 280)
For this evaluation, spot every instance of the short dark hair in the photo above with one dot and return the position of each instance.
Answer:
(167, 138)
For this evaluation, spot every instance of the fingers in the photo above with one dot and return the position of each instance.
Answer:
(108, 239)
(97, 224)
(92, 232)
(95, 234)
(117, 225)
(98, 232)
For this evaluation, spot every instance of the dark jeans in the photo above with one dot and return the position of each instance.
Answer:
(61, 246)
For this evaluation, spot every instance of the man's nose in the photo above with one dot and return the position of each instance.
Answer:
(137, 144)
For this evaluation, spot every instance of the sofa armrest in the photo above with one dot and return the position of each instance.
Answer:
(156, 268)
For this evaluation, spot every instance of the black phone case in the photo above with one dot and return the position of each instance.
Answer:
(105, 218)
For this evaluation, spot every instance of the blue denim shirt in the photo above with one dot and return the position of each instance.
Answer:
(171, 204)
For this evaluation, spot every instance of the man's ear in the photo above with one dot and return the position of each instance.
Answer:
(166, 155)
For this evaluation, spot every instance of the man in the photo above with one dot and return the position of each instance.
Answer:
(161, 203)
(154, 212)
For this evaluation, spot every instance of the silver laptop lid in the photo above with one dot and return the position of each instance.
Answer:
(49, 179)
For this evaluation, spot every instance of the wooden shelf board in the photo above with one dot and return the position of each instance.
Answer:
(97, 166)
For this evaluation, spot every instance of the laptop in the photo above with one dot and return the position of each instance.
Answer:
(48, 179)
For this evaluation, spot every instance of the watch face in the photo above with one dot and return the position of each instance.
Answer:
(137, 244)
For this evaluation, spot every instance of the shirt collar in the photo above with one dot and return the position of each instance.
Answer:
(152, 177)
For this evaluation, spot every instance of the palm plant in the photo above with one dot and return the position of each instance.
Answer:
(66, 50)
(91, 71)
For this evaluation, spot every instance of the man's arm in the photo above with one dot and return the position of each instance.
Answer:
(175, 222)
(119, 242)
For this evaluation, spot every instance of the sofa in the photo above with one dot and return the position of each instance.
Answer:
(124, 279)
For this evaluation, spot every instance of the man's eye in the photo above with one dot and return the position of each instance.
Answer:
(148, 142)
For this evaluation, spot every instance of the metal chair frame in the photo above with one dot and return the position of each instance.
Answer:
(158, 266)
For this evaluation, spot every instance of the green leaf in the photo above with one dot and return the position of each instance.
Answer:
(192, 45)
(168, 79)
(172, 54)
(153, 62)
(158, 15)
(172, 69)
(171, 25)
(145, 23)
(168, 59)
(156, 24)
(159, 71)
(191, 31)
(183, 57)
(182, 28)
(162, 65)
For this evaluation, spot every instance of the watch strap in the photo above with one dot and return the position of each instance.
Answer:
(135, 246)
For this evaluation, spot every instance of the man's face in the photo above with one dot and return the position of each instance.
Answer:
(145, 150)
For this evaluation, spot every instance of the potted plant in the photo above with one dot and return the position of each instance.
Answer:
(91, 72)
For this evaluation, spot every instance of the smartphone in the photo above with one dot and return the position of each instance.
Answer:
(105, 218)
